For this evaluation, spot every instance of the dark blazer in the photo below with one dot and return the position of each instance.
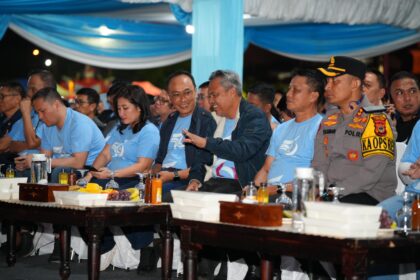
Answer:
(202, 124)
(250, 141)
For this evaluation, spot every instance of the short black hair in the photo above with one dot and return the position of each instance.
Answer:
(403, 75)
(46, 76)
(265, 92)
(379, 76)
(92, 95)
(47, 94)
(180, 73)
(204, 85)
(15, 87)
(315, 79)
(116, 84)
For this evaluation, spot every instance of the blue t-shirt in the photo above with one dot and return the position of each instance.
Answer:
(412, 152)
(18, 131)
(223, 168)
(292, 145)
(79, 134)
(128, 147)
(175, 156)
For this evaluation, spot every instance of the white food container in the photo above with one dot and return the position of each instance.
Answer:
(199, 206)
(9, 188)
(80, 199)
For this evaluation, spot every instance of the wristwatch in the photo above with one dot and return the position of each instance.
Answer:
(176, 175)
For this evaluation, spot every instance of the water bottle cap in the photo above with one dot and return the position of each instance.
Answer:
(39, 157)
(304, 173)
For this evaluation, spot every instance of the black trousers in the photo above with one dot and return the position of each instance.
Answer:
(359, 198)
(222, 185)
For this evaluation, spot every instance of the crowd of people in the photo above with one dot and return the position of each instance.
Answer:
(342, 119)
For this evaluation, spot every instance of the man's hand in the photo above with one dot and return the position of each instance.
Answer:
(25, 106)
(103, 173)
(23, 162)
(166, 176)
(194, 185)
(414, 171)
(196, 140)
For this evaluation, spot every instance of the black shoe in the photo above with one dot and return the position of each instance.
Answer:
(26, 245)
(148, 260)
(252, 273)
(55, 255)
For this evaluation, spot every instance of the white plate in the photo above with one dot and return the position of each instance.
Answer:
(122, 203)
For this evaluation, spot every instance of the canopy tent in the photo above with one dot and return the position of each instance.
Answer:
(147, 34)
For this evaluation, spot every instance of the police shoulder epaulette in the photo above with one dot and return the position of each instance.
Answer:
(374, 109)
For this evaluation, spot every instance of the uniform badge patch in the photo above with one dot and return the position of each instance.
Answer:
(380, 125)
(378, 138)
(352, 155)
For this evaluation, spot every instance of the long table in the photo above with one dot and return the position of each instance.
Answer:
(95, 220)
(354, 255)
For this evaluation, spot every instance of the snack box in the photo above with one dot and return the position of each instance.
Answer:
(9, 188)
(80, 198)
(39, 192)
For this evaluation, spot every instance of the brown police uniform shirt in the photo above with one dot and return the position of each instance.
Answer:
(357, 152)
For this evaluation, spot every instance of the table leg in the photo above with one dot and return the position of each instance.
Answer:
(190, 264)
(266, 269)
(11, 238)
(354, 263)
(167, 253)
(94, 255)
(65, 253)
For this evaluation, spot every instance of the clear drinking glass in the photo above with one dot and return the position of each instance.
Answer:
(283, 199)
(403, 215)
(140, 186)
(82, 182)
(1, 173)
(336, 192)
(112, 184)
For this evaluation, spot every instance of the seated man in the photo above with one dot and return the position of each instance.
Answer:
(163, 108)
(405, 94)
(262, 97)
(374, 86)
(176, 162)
(239, 142)
(28, 139)
(354, 148)
(292, 143)
(87, 102)
(11, 93)
(70, 138)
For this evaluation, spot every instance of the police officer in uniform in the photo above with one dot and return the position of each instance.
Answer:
(355, 144)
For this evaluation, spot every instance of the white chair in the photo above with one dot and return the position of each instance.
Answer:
(400, 151)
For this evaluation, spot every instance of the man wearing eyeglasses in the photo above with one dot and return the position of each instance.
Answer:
(11, 93)
(87, 101)
(163, 107)
(176, 162)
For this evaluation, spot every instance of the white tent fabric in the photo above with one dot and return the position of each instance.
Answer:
(399, 13)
